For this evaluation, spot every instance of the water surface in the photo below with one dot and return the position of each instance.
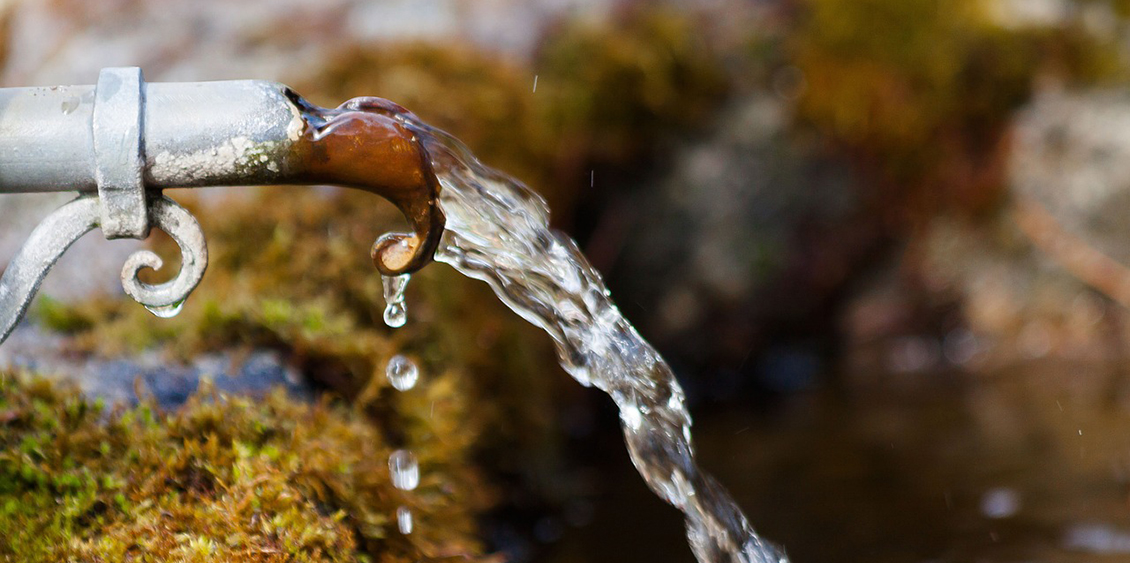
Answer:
(1025, 465)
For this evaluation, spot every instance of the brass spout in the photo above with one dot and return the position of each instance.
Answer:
(361, 144)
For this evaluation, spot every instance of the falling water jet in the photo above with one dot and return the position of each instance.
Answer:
(497, 230)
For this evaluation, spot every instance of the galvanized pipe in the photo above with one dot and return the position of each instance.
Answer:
(231, 133)
(127, 140)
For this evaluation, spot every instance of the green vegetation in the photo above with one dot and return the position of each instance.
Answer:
(920, 93)
(223, 479)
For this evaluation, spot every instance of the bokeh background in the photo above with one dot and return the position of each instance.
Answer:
(883, 242)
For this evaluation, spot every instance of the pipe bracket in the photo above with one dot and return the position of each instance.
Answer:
(119, 158)
(47, 243)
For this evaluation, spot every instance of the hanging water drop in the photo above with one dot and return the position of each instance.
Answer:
(396, 313)
(402, 373)
(404, 520)
(166, 311)
(404, 469)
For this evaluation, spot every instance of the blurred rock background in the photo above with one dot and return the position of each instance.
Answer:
(808, 206)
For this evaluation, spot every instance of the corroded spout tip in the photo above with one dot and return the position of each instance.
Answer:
(365, 144)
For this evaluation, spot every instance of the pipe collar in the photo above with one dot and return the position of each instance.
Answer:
(119, 159)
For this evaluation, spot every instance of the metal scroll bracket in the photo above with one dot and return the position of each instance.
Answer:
(122, 208)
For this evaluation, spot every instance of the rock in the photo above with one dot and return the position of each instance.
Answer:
(1072, 156)
(1040, 279)
(118, 380)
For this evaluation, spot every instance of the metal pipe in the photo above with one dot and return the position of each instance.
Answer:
(46, 143)
(231, 133)
(127, 140)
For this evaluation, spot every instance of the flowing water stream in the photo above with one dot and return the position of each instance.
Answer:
(498, 231)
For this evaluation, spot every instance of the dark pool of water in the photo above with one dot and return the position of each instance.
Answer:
(1030, 464)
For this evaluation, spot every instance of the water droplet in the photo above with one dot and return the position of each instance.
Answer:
(396, 314)
(70, 105)
(166, 311)
(405, 471)
(402, 373)
(404, 520)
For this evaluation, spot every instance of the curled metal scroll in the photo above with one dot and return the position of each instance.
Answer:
(165, 299)
(64, 226)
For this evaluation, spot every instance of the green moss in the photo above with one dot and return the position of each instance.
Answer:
(59, 316)
(223, 479)
(611, 89)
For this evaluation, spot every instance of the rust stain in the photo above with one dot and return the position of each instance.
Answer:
(365, 144)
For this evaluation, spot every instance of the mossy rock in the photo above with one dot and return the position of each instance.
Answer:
(221, 479)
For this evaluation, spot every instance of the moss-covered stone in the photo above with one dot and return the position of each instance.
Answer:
(289, 271)
(222, 479)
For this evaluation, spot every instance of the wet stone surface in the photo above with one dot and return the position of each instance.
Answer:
(254, 373)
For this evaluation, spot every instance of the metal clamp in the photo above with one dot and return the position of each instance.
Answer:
(118, 152)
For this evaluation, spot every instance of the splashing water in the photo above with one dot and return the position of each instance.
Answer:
(396, 312)
(498, 231)
(402, 373)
